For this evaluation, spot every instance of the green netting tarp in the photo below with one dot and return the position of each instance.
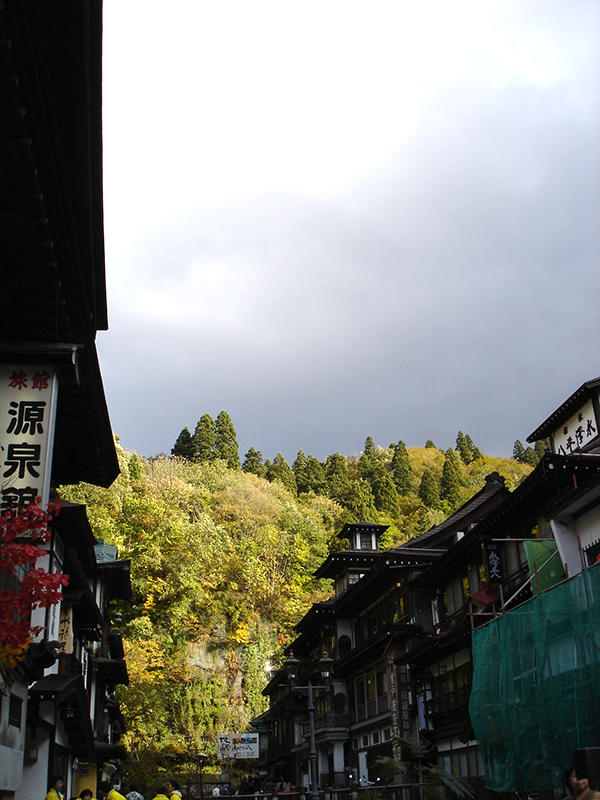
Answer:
(536, 686)
(543, 558)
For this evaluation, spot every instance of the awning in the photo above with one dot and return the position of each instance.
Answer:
(72, 703)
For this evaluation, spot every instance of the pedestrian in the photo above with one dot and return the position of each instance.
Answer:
(161, 793)
(107, 792)
(134, 794)
(56, 785)
(578, 788)
(86, 794)
(173, 790)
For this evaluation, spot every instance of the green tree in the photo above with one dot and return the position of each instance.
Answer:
(519, 452)
(360, 501)
(336, 477)
(402, 469)
(135, 468)
(451, 482)
(204, 439)
(315, 475)
(429, 444)
(299, 469)
(367, 463)
(226, 446)
(463, 448)
(428, 490)
(540, 447)
(184, 446)
(531, 457)
(384, 491)
(280, 470)
(253, 463)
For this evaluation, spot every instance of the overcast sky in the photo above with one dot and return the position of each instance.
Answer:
(342, 219)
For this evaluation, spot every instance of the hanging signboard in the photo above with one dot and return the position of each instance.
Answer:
(577, 431)
(27, 416)
(494, 564)
(237, 745)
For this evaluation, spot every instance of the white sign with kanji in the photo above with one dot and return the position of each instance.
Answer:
(27, 416)
(577, 431)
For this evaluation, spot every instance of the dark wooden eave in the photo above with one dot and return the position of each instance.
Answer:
(566, 410)
(52, 274)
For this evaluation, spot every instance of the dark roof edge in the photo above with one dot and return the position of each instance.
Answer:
(567, 408)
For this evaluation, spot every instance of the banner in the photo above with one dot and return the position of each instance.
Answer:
(237, 745)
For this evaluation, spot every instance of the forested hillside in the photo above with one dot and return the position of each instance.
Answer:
(222, 558)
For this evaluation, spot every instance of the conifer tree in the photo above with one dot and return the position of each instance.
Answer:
(477, 454)
(336, 477)
(226, 446)
(429, 491)
(368, 460)
(540, 447)
(429, 444)
(451, 479)
(135, 468)
(204, 439)
(184, 445)
(253, 462)
(531, 457)
(402, 469)
(280, 470)
(464, 450)
(299, 470)
(518, 452)
(384, 491)
(315, 476)
(359, 500)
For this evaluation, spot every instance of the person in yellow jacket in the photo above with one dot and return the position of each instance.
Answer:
(106, 791)
(161, 794)
(56, 784)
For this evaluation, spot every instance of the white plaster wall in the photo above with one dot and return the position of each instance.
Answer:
(35, 776)
(588, 527)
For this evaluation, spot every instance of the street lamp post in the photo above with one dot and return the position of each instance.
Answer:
(291, 666)
(194, 753)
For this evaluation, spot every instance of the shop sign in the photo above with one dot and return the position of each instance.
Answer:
(576, 432)
(237, 745)
(27, 416)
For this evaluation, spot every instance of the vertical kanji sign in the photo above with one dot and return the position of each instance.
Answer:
(28, 396)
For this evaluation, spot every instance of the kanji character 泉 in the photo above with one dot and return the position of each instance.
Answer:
(18, 380)
(23, 457)
(28, 416)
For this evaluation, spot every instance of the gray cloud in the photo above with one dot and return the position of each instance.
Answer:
(457, 287)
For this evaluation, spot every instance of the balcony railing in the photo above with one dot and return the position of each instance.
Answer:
(448, 702)
(331, 720)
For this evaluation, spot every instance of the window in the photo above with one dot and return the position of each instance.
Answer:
(365, 740)
(375, 737)
(365, 541)
(15, 711)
